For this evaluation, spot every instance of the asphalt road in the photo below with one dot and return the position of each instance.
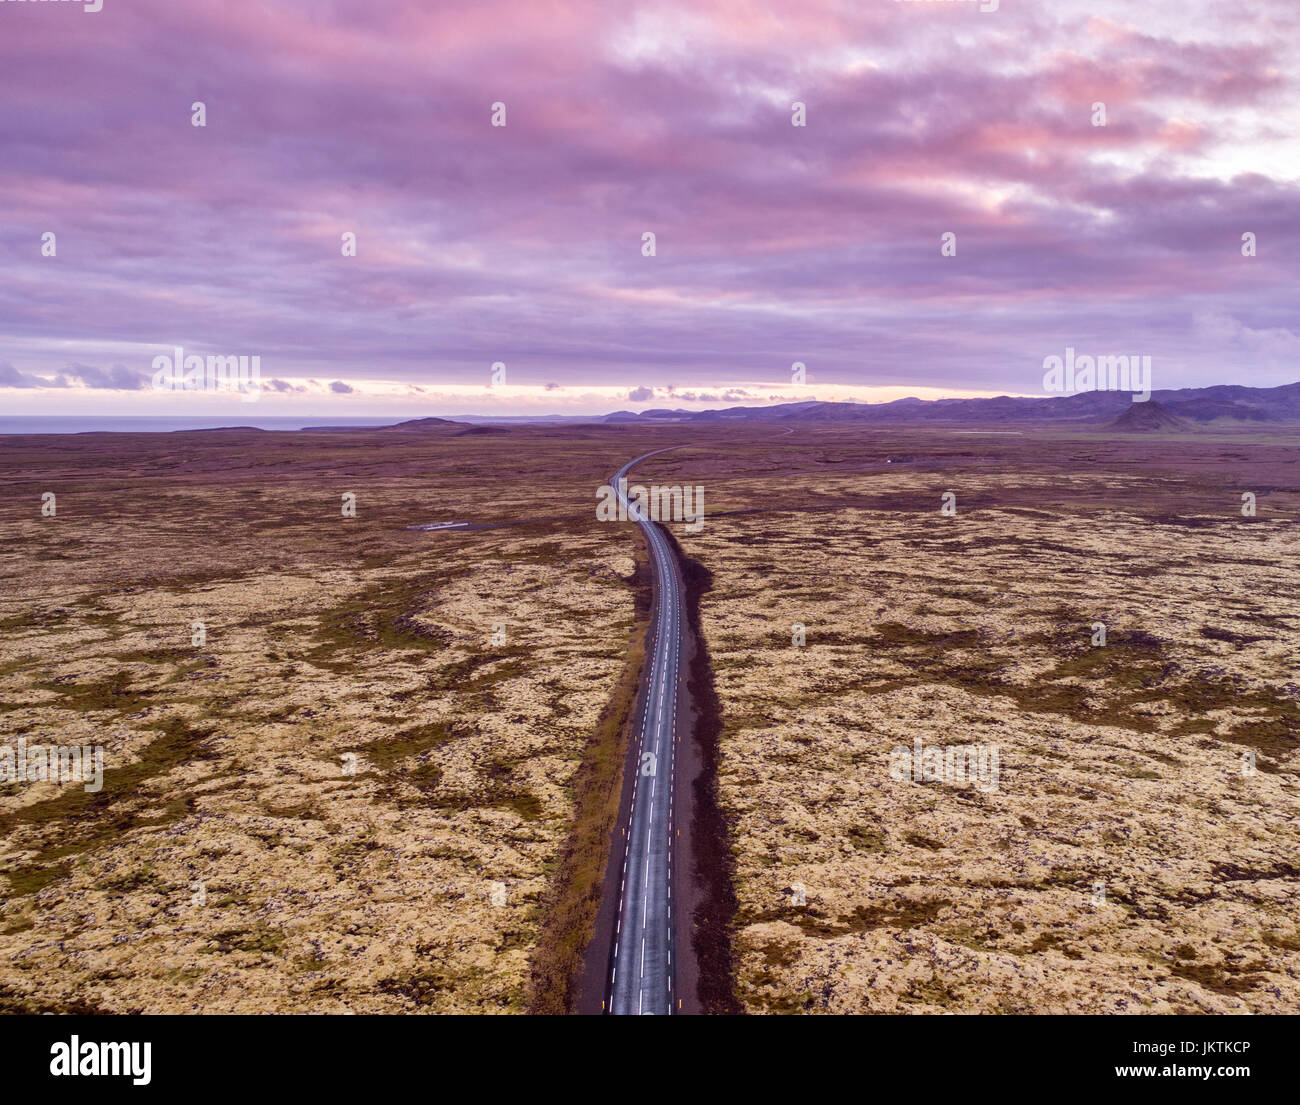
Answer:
(641, 978)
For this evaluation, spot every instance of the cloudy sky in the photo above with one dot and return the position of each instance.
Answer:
(523, 244)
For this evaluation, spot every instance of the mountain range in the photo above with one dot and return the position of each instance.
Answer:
(1222, 403)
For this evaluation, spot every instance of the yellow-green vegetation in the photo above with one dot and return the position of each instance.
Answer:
(232, 861)
(1129, 860)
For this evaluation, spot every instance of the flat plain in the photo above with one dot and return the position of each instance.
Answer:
(369, 787)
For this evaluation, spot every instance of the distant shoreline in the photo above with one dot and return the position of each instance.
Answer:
(76, 424)
(155, 424)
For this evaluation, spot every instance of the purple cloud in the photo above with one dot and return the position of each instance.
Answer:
(776, 243)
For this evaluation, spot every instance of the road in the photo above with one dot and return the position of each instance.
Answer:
(641, 976)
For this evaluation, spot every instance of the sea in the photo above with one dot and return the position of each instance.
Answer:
(161, 424)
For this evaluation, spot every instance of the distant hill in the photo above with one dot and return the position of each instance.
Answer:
(1146, 417)
(417, 424)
